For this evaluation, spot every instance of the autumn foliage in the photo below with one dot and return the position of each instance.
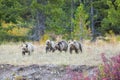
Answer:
(109, 70)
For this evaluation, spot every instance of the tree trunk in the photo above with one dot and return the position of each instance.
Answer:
(39, 28)
(81, 27)
(92, 22)
(71, 23)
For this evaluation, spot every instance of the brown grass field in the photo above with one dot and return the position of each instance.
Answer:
(10, 53)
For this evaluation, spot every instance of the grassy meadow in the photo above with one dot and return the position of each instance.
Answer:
(10, 53)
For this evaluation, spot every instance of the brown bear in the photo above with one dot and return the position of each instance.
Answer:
(50, 46)
(75, 45)
(27, 48)
(62, 46)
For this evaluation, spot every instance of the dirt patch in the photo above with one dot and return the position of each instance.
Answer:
(40, 72)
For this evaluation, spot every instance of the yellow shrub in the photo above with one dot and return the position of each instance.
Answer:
(118, 38)
(111, 36)
(20, 78)
(44, 38)
(101, 69)
(18, 31)
(15, 30)
(6, 25)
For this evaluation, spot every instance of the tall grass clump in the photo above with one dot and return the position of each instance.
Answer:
(108, 70)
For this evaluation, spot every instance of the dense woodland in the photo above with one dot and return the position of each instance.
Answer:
(72, 19)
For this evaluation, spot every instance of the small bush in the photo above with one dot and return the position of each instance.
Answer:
(20, 78)
(118, 38)
(44, 38)
(109, 70)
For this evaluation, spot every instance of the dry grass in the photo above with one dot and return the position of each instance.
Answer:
(11, 54)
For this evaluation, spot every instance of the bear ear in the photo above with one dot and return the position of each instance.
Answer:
(26, 45)
(58, 44)
(69, 41)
